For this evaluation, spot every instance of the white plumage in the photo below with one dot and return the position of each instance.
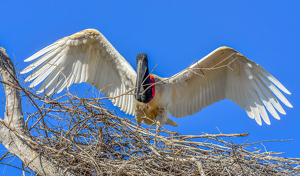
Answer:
(87, 56)
(228, 74)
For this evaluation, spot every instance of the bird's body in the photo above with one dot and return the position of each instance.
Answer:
(158, 108)
(87, 56)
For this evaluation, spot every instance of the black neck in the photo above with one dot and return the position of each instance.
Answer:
(144, 93)
(143, 82)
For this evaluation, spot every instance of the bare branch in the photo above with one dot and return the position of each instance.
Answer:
(12, 127)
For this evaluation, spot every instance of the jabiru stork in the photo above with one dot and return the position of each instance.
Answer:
(87, 56)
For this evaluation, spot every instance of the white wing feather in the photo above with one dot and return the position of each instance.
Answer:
(225, 73)
(86, 56)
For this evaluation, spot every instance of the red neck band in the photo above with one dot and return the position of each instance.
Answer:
(153, 87)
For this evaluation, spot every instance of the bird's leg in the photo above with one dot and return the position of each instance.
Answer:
(157, 132)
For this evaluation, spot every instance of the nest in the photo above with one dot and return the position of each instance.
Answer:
(82, 136)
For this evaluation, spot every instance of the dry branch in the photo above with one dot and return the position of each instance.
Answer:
(12, 127)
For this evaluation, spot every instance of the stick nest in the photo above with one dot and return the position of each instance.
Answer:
(83, 137)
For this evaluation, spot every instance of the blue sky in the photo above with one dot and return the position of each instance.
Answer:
(174, 34)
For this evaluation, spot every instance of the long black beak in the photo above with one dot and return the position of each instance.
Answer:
(142, 79)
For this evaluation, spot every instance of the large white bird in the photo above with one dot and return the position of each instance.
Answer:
(87, 56)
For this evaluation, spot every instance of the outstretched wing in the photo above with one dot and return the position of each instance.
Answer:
(225, 73)
(86, 56)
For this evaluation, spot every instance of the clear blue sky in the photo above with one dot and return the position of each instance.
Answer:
(174, 34)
